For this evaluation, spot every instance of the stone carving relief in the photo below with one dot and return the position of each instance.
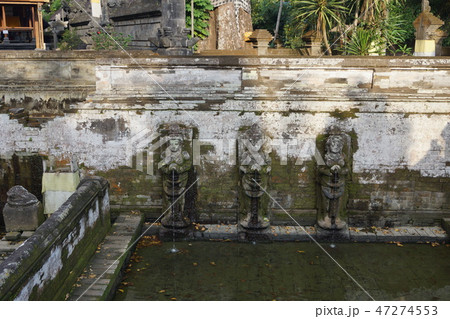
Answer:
(333, 175)
(254, 170)
(175, 166)
(115, 3)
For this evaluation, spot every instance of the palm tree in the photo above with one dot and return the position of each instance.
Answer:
(374, 17)
(370, 10)
(324, 13)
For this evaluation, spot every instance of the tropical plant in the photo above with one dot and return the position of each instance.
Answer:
(110, 40)
(70, 40)
(293, 32)
(384, 21)
(323, 14)
(48, 9)
(361, 42)
(201, 17)
(404, 49)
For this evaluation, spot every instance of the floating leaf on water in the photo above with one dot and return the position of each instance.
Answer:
(301, 251)
(195, 264)
(399, 244)
(121, 290)
(162, 291)
(212, 263)
(434, 244)
(173, 298)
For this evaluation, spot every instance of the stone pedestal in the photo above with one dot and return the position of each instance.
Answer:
(57, 188)
(261, 39)
(23, 211)
(425, 48)
(428, 35)
(175, 233)
(254, 235)
(173, 36)
(335, 235)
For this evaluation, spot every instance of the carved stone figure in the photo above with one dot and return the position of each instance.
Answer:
(175, 166)
(332, 181)
(254, 169)
(172, 38)
(115, 3)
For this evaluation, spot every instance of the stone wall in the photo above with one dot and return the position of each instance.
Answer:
(138, 18)
(228, 23)
(395, 109)
(47, 265)
(45, 82)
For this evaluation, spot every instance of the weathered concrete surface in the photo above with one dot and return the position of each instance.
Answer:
(395, 109)
(46, 83)
(59, 249)
(102, 275)
(405, 234)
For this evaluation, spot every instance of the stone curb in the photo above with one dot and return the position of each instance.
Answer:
(405, 234)
(110, 258)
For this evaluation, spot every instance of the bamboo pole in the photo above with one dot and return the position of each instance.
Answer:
(192, 18)
(277, 28)
(40, 28)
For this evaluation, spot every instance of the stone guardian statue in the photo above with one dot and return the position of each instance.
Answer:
(254, 170)
(175, 166)
(333, 174)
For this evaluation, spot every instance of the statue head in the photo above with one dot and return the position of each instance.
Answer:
(254, 134)
(335, 144)
(175, 144)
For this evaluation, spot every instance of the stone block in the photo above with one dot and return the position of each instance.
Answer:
(425, 48)
(27, 234)
(57, 188)
(12, 236)
(22, 212)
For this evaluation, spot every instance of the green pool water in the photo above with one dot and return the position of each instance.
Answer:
(287, 271)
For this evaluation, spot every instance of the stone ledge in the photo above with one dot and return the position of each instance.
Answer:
(111, 256)
(307, 233)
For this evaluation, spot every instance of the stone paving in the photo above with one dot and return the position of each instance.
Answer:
(102, 275)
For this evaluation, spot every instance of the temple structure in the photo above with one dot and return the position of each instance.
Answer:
(159, 24)
(21, 24)
(230, 21)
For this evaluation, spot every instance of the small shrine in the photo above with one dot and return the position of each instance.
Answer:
(21, 24)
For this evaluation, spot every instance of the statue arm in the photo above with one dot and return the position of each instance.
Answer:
(324, 170)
